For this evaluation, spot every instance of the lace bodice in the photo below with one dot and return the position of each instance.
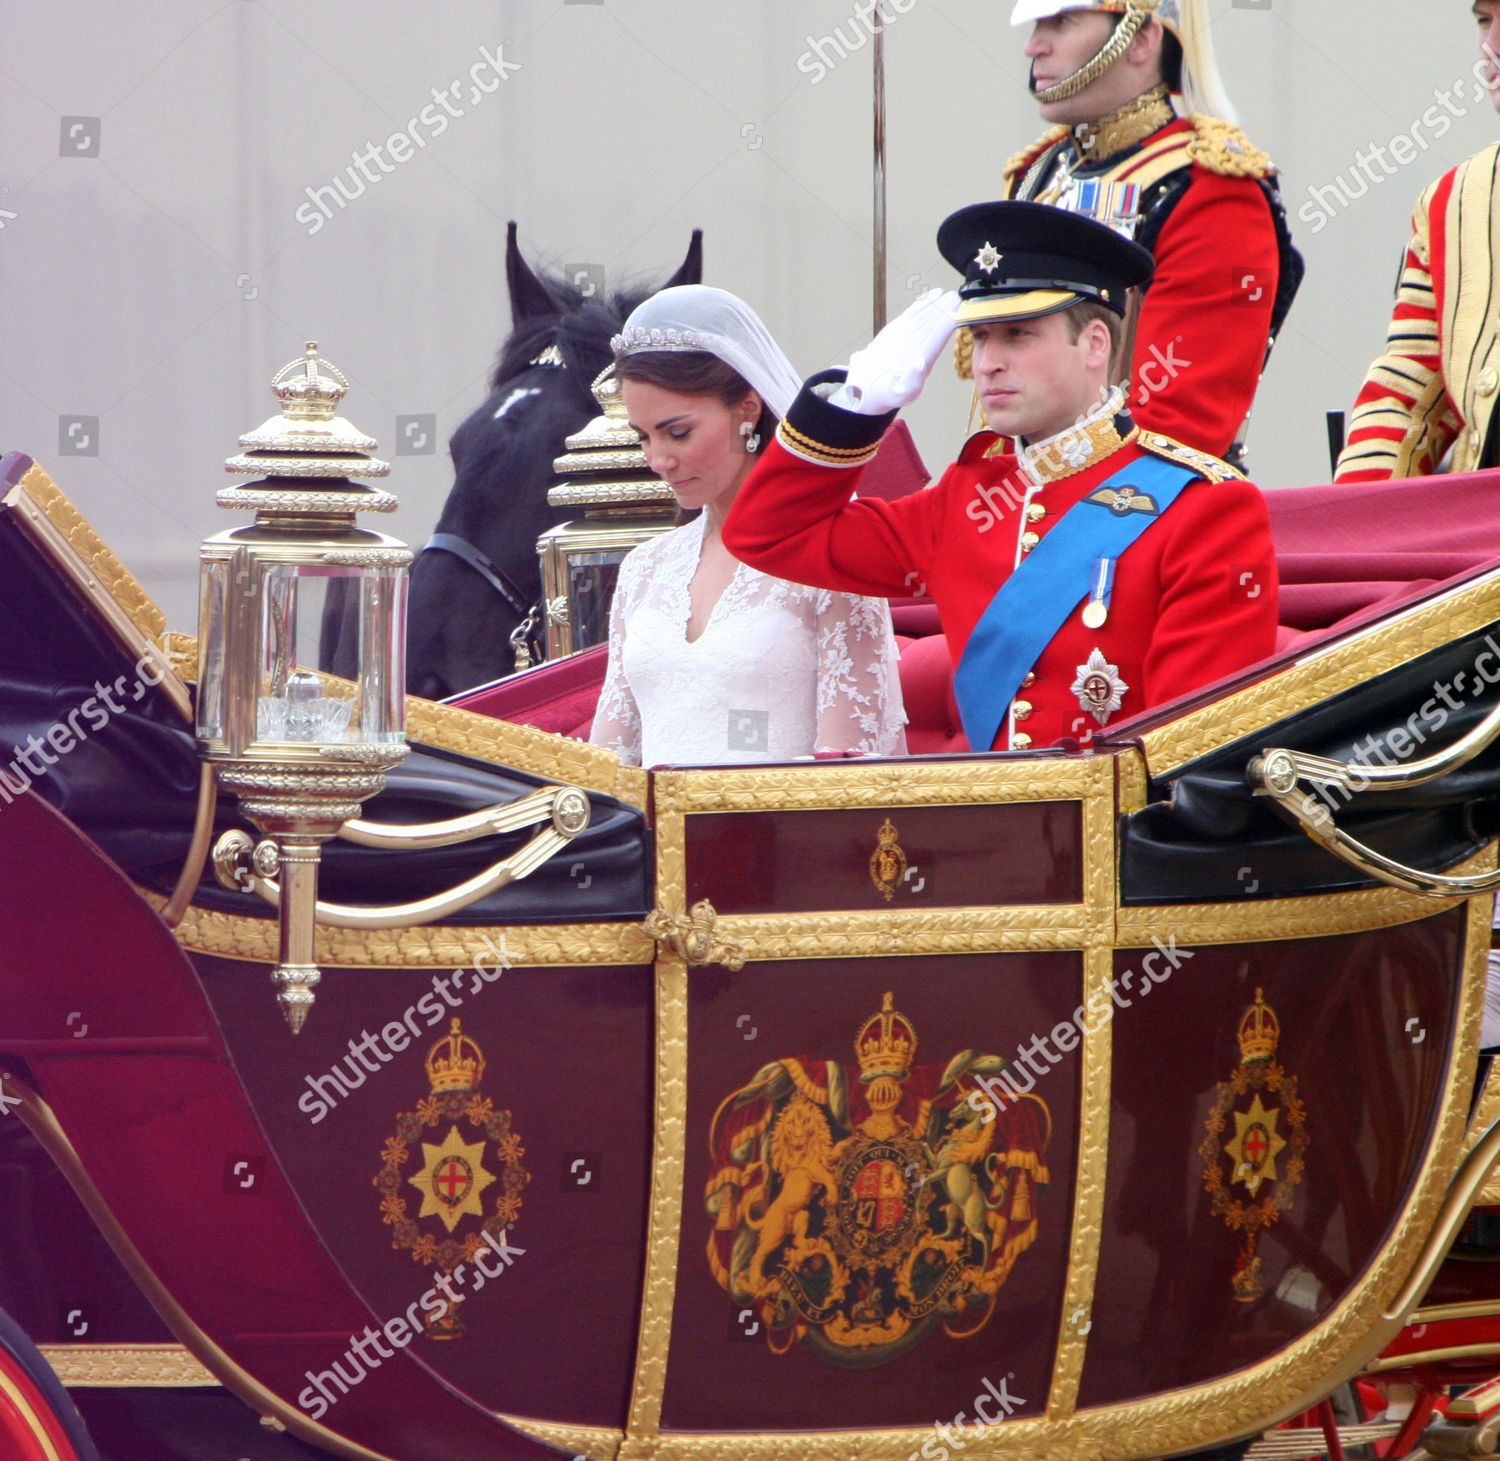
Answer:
(779, 670)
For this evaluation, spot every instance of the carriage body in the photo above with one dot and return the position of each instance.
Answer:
(1060, 1103)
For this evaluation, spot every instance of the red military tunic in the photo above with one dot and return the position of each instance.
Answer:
(1194, 597)
(1212, 218)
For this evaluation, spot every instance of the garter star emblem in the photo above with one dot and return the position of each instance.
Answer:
(988, 258)
(472, 1165)
(1266, 1152)
(856, 1209)
(1099, 688)
(888, 861)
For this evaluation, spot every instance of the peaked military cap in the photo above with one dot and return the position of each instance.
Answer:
(1024, 260)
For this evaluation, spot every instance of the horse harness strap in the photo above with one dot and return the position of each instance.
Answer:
(497, 578)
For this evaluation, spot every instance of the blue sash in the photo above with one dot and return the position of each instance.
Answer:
(1051, 581)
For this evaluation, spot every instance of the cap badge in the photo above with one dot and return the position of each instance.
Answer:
(988, 258)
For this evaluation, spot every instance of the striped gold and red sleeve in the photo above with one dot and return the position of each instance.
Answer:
(1404, 420)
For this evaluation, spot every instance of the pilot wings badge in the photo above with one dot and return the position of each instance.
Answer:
(857, 1209)
(461, 1155)
(1267, 1149)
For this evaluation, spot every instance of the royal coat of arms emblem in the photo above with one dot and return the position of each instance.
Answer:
(1265, 1153)
(857, 1209)
(462, 1156)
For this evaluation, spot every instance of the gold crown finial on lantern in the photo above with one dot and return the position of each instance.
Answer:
(1259, 1031)
(886, 1043)
(307, 441)
(309, 388)
(454, 1063)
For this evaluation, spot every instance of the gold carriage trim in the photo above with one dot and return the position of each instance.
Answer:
(235, 936)
(108, 571)
(125, 1366)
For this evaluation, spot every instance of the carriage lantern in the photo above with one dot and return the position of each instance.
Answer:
(300, 721)
(624, 504)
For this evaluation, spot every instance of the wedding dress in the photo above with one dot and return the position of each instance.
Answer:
(779, 671)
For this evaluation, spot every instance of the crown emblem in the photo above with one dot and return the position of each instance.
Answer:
(454, 1063)
(886, 1044)
(1259, 1031)
(310, 387)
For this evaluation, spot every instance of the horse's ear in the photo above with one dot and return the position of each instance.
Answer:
(691, 270)
(528, 295)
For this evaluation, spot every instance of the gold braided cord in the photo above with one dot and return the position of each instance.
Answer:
(1128, 29)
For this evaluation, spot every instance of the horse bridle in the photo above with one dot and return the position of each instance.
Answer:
(525, 638)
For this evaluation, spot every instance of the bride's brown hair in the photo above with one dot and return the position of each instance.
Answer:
(694, 373)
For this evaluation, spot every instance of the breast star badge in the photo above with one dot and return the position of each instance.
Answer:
(1099, 688)
(988, 258)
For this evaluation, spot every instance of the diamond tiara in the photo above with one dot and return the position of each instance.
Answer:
(635, 338)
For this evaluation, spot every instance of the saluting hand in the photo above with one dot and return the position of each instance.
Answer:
(891, 370)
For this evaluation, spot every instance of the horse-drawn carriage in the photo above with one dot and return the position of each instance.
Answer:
(1069, 1103)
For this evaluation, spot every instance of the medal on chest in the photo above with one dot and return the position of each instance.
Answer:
(1099, 688)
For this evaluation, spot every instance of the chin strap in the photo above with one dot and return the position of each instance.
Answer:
(1137, 13)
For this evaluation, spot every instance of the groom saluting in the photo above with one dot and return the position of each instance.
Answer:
(1083, 570)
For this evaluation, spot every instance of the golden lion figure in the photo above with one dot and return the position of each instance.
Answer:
(801, 1146)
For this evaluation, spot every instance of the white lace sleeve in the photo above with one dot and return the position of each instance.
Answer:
(617, 718)
(859, 683)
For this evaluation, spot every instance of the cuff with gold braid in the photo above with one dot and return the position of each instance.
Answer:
(828, 435)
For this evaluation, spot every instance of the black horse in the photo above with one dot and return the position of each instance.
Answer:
(479, 577)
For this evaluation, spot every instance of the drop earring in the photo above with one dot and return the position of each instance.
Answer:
(752, 437)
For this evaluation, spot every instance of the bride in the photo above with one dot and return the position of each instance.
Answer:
(710, 661)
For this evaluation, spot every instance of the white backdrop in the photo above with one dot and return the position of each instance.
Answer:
(154, 157)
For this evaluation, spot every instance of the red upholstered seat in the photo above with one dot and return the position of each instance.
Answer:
(932, 723)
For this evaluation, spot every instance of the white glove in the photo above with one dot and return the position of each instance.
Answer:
(892, 369)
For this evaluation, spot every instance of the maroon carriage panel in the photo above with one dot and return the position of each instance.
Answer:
(568, 1054)
(960, 857)
(1290, 1106)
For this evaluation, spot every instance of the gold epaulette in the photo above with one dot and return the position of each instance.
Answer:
(1210, 468)
(1023, 159)
(1221, 147)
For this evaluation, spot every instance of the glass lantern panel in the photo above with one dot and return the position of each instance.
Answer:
(382, 653)
(213, 593)
(314, 636)
(591, 588)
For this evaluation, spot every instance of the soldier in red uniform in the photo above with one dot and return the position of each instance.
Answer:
(1190, 187)
(1085, 571)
